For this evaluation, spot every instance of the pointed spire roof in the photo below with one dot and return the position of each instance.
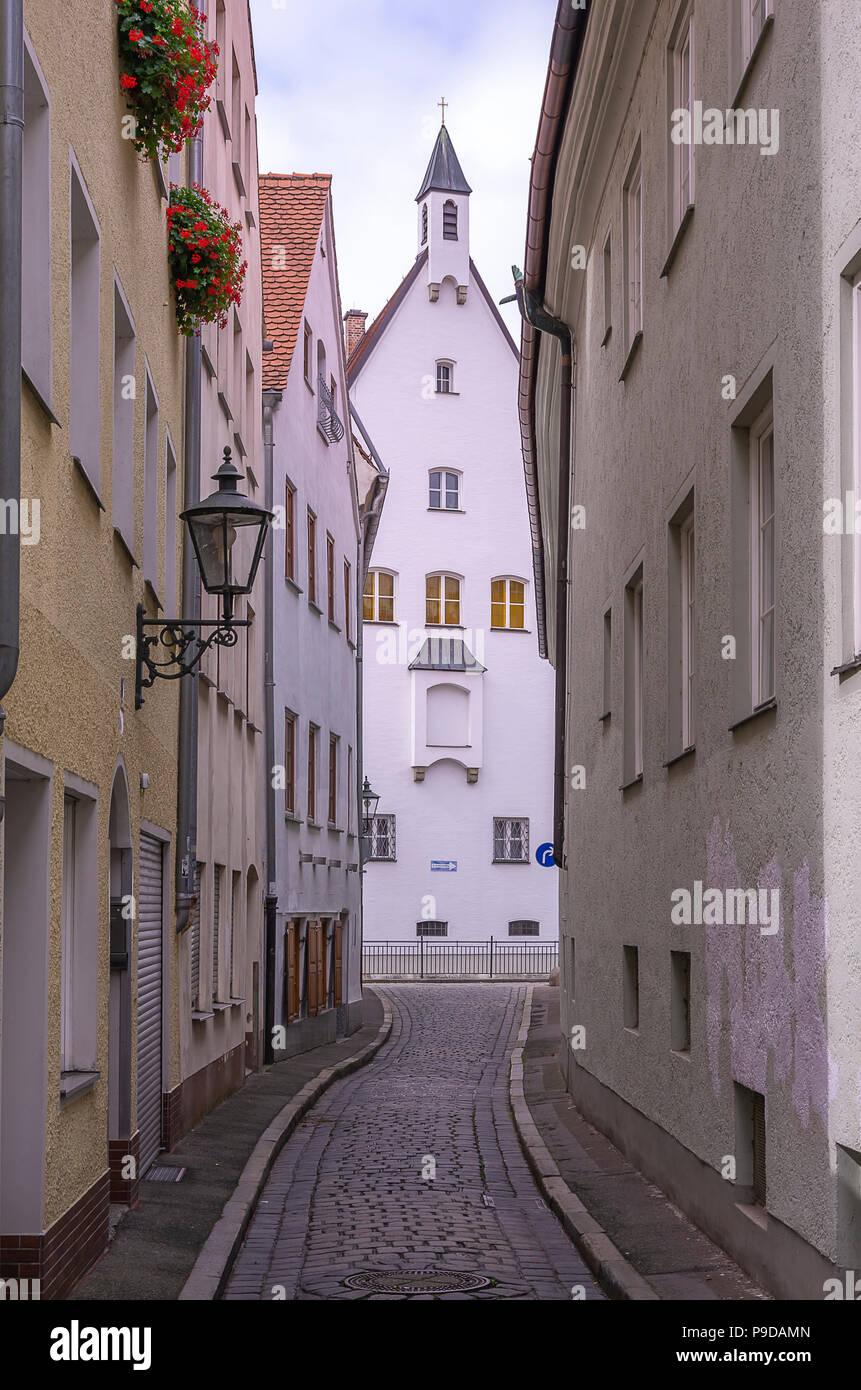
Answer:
(444, 174)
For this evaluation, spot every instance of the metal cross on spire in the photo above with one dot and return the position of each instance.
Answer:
(443, 104)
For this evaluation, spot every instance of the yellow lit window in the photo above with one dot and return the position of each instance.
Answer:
(378, 601)
(442, 600)
(507, 603)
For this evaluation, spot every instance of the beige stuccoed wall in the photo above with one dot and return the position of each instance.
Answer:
(756, 283)
(78, 588)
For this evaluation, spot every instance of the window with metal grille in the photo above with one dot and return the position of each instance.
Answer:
(759, 1149)
(444, 378)
(195, 935)
(510, 840)
(431, 928)
(444, 491)
(523, 928)
(381, 833)
(680, 1002)
(449, 220)
(750, 1145)
(290, 762)
(631, 987)
(216, 931)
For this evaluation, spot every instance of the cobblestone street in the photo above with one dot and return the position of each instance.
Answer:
(347, 1194)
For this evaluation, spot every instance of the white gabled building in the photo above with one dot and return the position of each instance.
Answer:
(458, 707)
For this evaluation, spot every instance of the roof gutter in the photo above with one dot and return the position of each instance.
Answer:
(11, 165)
(568, 31)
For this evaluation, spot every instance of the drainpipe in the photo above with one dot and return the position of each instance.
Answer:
(186, 792)
(533, 313)
(270, 901)
(11, 164)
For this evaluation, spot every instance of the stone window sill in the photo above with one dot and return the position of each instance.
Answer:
(632, 353)
(687, 217)
(76, 1083)
(679, 757)
(765, 708)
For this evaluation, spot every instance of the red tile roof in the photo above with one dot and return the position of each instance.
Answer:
(291, 215)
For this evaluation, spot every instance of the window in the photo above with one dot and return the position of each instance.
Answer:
(523, 928)
(608, 289)
(572, 967)
(442, 600)
(856, 456)
(762, 558)
(682, 99)
(170, 597)
(312, 771)
(633, 741)
(290, 762)
(431, 928)
(232, 987)
(235, 104)
(378, 605)
(680, 1001)
(306, 359)
(312, 557)
(750, 1142)
(350, 791)
(510, 840)
(381, 836)
(79, 951)
(348, 617)
(290, 531)
(150, 535)
(122, 491)
(449, 220)
(194, 945)
(445, 378)
(237, 384)
(217, 894)
(754, 13)
(330, 576)
(444, 491)
(36, 335)
(688, 631)
(631, 987)
(634, 250)
(507, 603)
(84, 385)
(221, 40)
(607, 674)
(424, 223)
(321, 366)
(333, 779)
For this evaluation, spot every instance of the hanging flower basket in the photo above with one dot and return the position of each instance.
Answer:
(204, 248)
(166, 66)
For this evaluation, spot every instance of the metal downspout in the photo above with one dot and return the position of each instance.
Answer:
(270, 899)
(186, 791)
(533, 313)
(11, 168)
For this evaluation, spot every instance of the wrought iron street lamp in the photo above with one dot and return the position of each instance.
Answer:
(228, 531)
(370, 800)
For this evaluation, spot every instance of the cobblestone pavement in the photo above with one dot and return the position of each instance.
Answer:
(347, 1193)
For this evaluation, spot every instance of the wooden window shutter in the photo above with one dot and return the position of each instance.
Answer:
(291, 944)
(321, 968)
(313, 976)
(338, 951)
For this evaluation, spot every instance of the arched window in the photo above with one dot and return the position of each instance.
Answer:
(449, 220)
(378, 604)
(321, 362)
(444, 491)
(444, 377)
(507, 603)
(442, 600)
(424, 224)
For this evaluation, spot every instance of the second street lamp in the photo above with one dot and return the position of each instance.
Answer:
(228, 531)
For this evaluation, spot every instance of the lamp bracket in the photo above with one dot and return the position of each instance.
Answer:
(183, 640)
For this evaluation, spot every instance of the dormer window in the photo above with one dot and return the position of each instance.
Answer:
(444, 378)
(449, 220)
(424, 224)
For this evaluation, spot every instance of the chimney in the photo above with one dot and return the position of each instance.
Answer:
(354, 321)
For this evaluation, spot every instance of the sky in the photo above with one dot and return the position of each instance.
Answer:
(351, 89)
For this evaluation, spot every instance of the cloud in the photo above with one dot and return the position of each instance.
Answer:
(353, 90)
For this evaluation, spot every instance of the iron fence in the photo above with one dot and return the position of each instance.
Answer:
(426, 959)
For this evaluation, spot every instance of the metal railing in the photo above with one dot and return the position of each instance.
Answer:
(327, 417)
(429, 959)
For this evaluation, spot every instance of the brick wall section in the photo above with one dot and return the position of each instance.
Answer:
(354, 329)
(62, 1255)
(124, 1189)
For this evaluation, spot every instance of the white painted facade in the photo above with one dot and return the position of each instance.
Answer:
(448, 751)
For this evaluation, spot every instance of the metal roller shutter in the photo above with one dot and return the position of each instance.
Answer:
(150, 901)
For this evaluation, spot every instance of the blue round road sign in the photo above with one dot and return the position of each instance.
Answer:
(544, 855)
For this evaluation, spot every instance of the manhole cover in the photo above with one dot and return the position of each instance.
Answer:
(163, 1173)
(417, 1281)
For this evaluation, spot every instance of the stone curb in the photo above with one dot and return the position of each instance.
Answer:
(209, 1274)
(615, 1274)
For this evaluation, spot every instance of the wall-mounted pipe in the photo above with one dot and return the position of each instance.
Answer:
(270, 897)
(186, 790)
(534, 314)
(11, 172)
